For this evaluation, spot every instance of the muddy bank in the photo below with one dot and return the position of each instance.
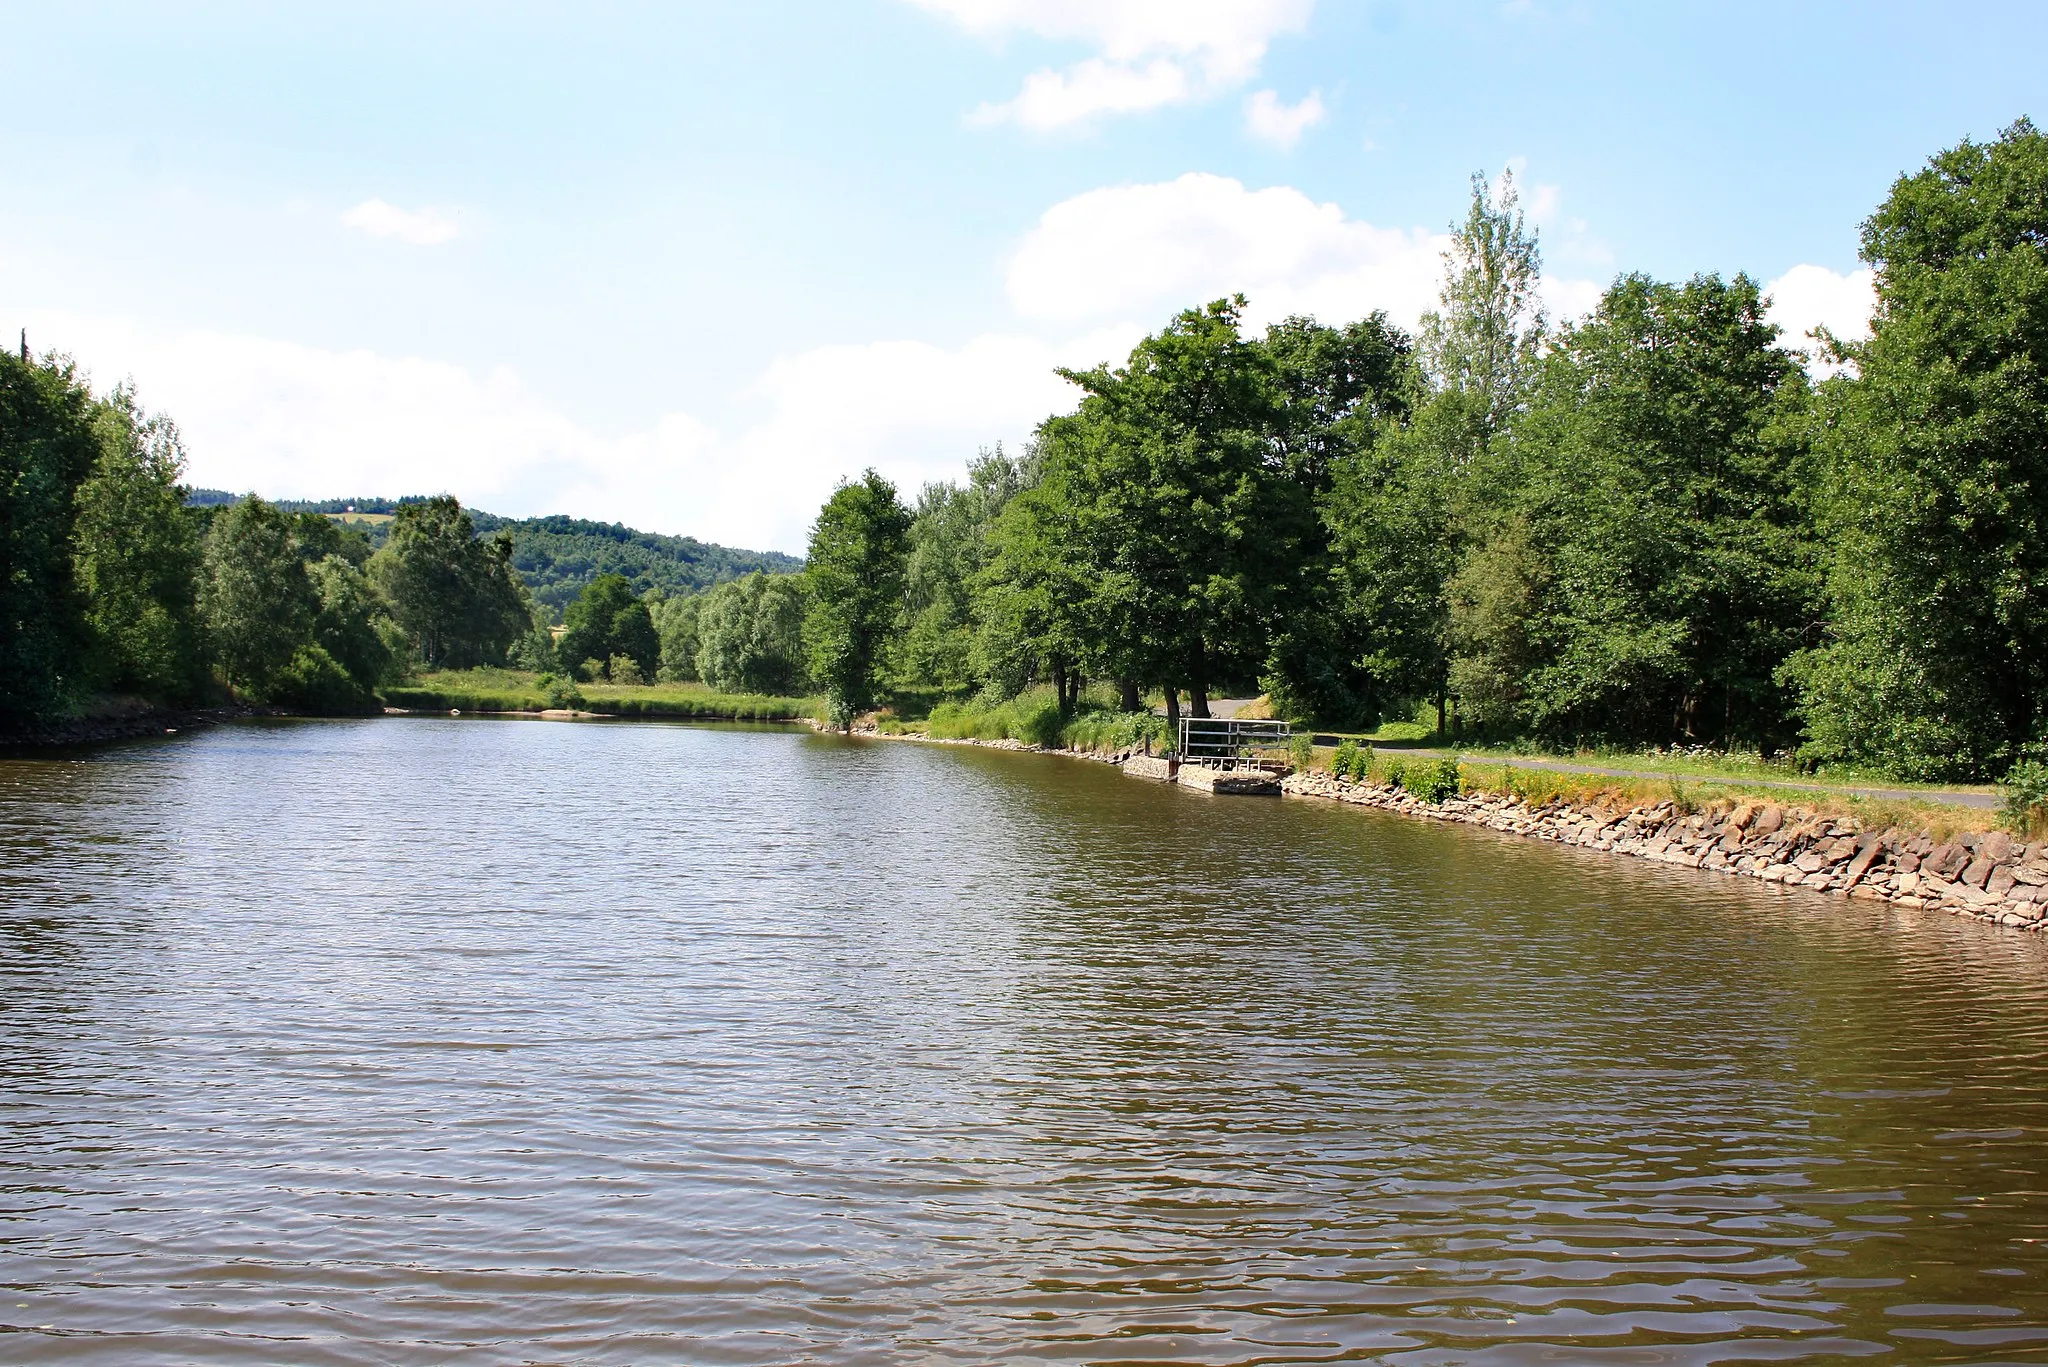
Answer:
(122, 720)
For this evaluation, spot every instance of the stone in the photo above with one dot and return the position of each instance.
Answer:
(1860, 865)
(1770, 819)
(1907, 862)
(1909, 883)
(1995, 846)
(2000, 882)
(1810, 862)
(1978, 871)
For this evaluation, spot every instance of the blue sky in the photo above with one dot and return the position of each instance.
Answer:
(682, 266)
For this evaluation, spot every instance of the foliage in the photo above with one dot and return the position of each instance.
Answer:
(47, 450)
(855, 579)
(609, 621)
(950, 547)
(558, 557)
(2026, 796)
(499, 690)
(136, 555)
(1934, 494)
(255, 596)
(675, 626)
(1433, 780)
(1349, 761)
(456, 596)
(313, 681)
(750, 635)
(1301, 750)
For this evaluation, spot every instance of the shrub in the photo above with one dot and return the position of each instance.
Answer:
(1301, 750)
(1394, 773)
(558, 693)
(314, 682)
(1434, 781)
(590, 671)
(2026, 796)
(1347, 762)
(624, 669)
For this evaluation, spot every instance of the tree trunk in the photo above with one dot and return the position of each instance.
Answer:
(1173, 717)
(1127, 696)
(1198, 687)
(1076, 681)
(1441, 707)
(1059, 684)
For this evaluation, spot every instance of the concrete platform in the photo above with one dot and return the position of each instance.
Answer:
(1237, 782)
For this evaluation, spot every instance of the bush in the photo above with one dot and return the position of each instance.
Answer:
(314, 682)
(624, 669)
(1394, 774)
(1435, 781)
(558, 693)
(1301, 750)
(2026, 796)
(1349, 762)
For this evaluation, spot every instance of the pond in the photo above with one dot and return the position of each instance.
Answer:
(427, 1040)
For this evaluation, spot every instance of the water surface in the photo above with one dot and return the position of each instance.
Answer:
(421, 1041)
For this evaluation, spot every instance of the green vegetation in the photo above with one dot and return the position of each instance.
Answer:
(1642, 529)
(507, 690)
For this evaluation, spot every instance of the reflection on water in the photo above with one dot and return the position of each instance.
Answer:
(412, 1041)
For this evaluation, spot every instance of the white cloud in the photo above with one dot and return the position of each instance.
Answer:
(1807, 297)
(293, 421)
(420, 227)
(1280, 124)
(1150, 52)
(1138, 253)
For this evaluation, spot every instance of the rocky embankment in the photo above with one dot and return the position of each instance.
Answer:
(1986, 874)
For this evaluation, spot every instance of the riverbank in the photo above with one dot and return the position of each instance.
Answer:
(1983, 874)
(119, 719)
(1970, 870)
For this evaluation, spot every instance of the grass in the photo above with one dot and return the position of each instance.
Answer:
(512, 690)
(1685, 792)
(1034, 718)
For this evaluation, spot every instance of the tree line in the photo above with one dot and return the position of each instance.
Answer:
(1649, 525)
(1646, 526)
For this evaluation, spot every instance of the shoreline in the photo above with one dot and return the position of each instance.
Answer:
(1985, 875)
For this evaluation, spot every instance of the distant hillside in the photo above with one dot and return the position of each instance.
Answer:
(557, 555)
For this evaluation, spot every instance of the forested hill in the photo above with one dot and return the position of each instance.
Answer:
(557, 556)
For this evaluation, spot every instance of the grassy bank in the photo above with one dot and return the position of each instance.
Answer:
(511, 690)
(1687, 793)
(1035, 718)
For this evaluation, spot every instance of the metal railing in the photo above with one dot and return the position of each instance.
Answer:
(1229, 743)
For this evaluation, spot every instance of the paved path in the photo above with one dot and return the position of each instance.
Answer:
(1949, 796)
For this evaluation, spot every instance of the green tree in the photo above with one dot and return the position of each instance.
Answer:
(1935, 663)
(136, 552)
(255, 598)
(1481, 349)
(1342, 392)
(47, 450)
(675, 625)
(1646, 512)
(949, 547)
(608, 619)
(859, 544)
(751, 635)
(352, 624)
(457, 597)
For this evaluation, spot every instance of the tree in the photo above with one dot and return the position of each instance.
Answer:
(675, 624)
(256, 600)
(136, 555)
(859, 544)
(352, 623)
(1182, 506)
(1641, 568)
(1343, 393)
(949, 547)
(47, 450)
(1481, 349)
(456, 596)
(751, 635)
(607, 619)
(1935, 505)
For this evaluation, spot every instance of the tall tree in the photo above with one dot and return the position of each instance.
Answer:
(607, 621)
(855, 572)
(136, 550)
(47, 450)
(458, 597)
(1936, 662)
(256, 599)
(949, 547)
(1481, 347)
(1645, 569)
(750, 635)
